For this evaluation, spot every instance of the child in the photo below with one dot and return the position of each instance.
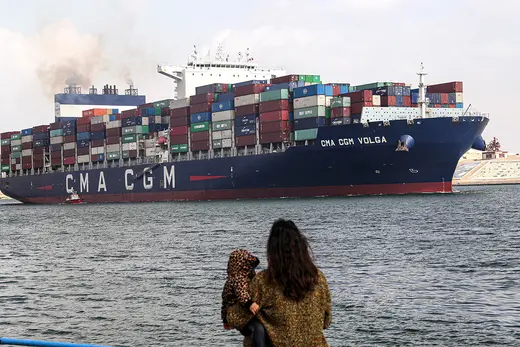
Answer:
(241, 270)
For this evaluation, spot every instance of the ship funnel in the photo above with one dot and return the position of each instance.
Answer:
(131, 91)
(72, 89)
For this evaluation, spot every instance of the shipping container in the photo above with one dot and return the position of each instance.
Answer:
(285, 79)
(200, 145)
(376, 100)
(277, 126)
(69, 160)
(112, 132)
(56, 132)
(113, 155)
(310, 101)
(212, 88)
(129, 138)
(310, 112)
(307, 134)
(222, 125)
(27, 152)
(27, 132)
(309, 123)
(180, 148)
(197, 127)
(113, 140)
(274, 116)
(275, 137)
(202, 98)
(113, 124)
(249, 89)
(245, 120)
(5, 142)
(138, 129)
(98, 135)
(69, 153)
(340, 112)
(245, 100)
(247, 110)
(245, 130)
(229, 96)
(97, 127)
(197, 108)
(16, 142)
(315, 89)
(223, 143)
(245, 83)
(357, 107)
(83, 128)
(180, 121)
(407, 101)
(388, 101)
(286, 85)
(27, 145)
(200, 117)
(272, 95)
(200, 136)
(82, 144)
(224, 115)
(450, 87)
(178, 139)
(113, 148)
(69, 146)
(223, 106)
(222, 134)
(243, 141)
(180, 103)
(360, 96)
(99, 143)
(180, 112)
(56, 140)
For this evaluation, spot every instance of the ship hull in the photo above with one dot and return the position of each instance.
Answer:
(345, 160)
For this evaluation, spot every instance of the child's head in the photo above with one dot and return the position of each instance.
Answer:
(242, 261)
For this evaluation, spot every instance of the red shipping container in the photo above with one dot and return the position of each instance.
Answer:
(132, 154)
(129, 113)
(388, 100)
(100, 142)
(5, 148)
(148, 105)
(39, 151)
(7, 135)
(112, 132)
(179, 130)
(340, 112)
(278, 126)
(357, 107)
(56, 155)
(180, 112)
(200, 136)
(114, 140)
(69, 161)
(69, 139)
(56, 161)
(69, 153)
(360, 96)
(285, 79)
(165, 111)
(55, 126)
(336, 90)
(27, 166)
(13, 167)
(83, 121)
(207, 98)
(97, 127)
(27, 159)
(437, 106)
(27, 145)
(40, 129)
(450, 87)
(444, 98)
(18, 160)
(38, 164)
(6, 156)
(249, 140)
(452, 106)
(274, 116)
(398, 84)
(179, 139)
(275, 105)
(118, 117)
(249, 89)
(275, 137)
(407, 101)
(94, 158)
(38, 157)
(200, 145)
(179, 122)
(246, 110)
(82, 151)
(197, 108)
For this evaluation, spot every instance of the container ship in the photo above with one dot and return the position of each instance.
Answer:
(233, 130)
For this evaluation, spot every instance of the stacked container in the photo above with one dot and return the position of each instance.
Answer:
(132, 131)
(41, 142)
(71, 134)
(358, 100)
(246, 113)
(5, 151)
(200, 119)
(27, 149)
(97, 140)
(340, 111)
(223, 114)
(274, 119)
(16, 151)
(179, 125)
(311, 110)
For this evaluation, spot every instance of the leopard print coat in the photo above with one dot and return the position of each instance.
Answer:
(240, 271)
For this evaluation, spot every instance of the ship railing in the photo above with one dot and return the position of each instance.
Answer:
(20, 342)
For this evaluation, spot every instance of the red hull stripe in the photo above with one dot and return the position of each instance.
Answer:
(204, 178)
(44, 188)
(256, 193)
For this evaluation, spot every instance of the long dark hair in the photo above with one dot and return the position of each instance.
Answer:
(289, 259)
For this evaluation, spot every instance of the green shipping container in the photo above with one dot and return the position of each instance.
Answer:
(312, 78)
(198, 127)
(180, 148)
(301, 78)
(16, 155)
(125, 154)
(310, 112)
(17, 136)
(56, 132)
(16, 148)
(145, 129)
(157, 111)
(328, 112)
(273, 95)
(161, 104)
(307, 134)
(113, 156)
(5, 142)
(222, 125)
(129, 138)
(340, 101)
(216, 144)
(5, 168)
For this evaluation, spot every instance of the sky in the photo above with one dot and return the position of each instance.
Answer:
(43, 43)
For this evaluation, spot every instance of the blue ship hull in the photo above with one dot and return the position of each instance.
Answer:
(345, 160)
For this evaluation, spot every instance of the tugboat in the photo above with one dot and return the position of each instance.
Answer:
(74, 198)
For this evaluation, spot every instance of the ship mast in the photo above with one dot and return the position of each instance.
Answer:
(422, 91)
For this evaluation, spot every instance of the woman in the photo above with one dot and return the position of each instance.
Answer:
(292, 294)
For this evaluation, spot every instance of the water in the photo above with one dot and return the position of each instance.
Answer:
(408, 270)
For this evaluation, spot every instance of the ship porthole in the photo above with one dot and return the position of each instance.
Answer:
(378, 172)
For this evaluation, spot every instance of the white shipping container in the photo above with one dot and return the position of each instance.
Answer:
(98, 150)
(165, 120)
(227, 143)
(328, 100)
(133, 146)
(125, 146)
(150, 152)
(56, 140)
(83, 159)
(224, 115)
(13, 161)
(146, 121)
(247, 100)
(180, 103)
(18, 166)
(458, 98)
(113, 148)
(93, 151)
(310, 101)
(70, 145)
(158, 120)
(223, 134)
(376, 100)
(149, 143)
(26, 152)
(16, 142)
(114, 124)
(97, 120)
(28, 138)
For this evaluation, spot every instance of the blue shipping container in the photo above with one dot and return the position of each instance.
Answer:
(223, 106)
(100, 157)
(82, 143)
(245, 120)
(309, 123)
(459, 105)
(343, 89)
(314, 89)
(452, 98)
(249, 82)
(415, 98)
(41, 136)
(200, 117)
(56, 148)
(115, 111)
(406, 90)
(341, 121)
(69, 124)
(131, 122)
(112, 117)
(26, 132)
(97, 135)
(245, 130)
(288, 85)
(399, 100)
(291, 116)
(41, 143)
(69, 131)
(83, 136)
(229, 96)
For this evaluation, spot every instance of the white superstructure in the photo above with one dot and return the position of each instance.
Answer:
(219, 69)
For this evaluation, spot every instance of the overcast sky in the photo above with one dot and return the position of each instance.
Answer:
(355, 41)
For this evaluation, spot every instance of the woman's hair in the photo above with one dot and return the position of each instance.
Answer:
(290, 263)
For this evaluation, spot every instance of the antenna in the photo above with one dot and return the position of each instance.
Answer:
(219, 55)
(422, 91)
